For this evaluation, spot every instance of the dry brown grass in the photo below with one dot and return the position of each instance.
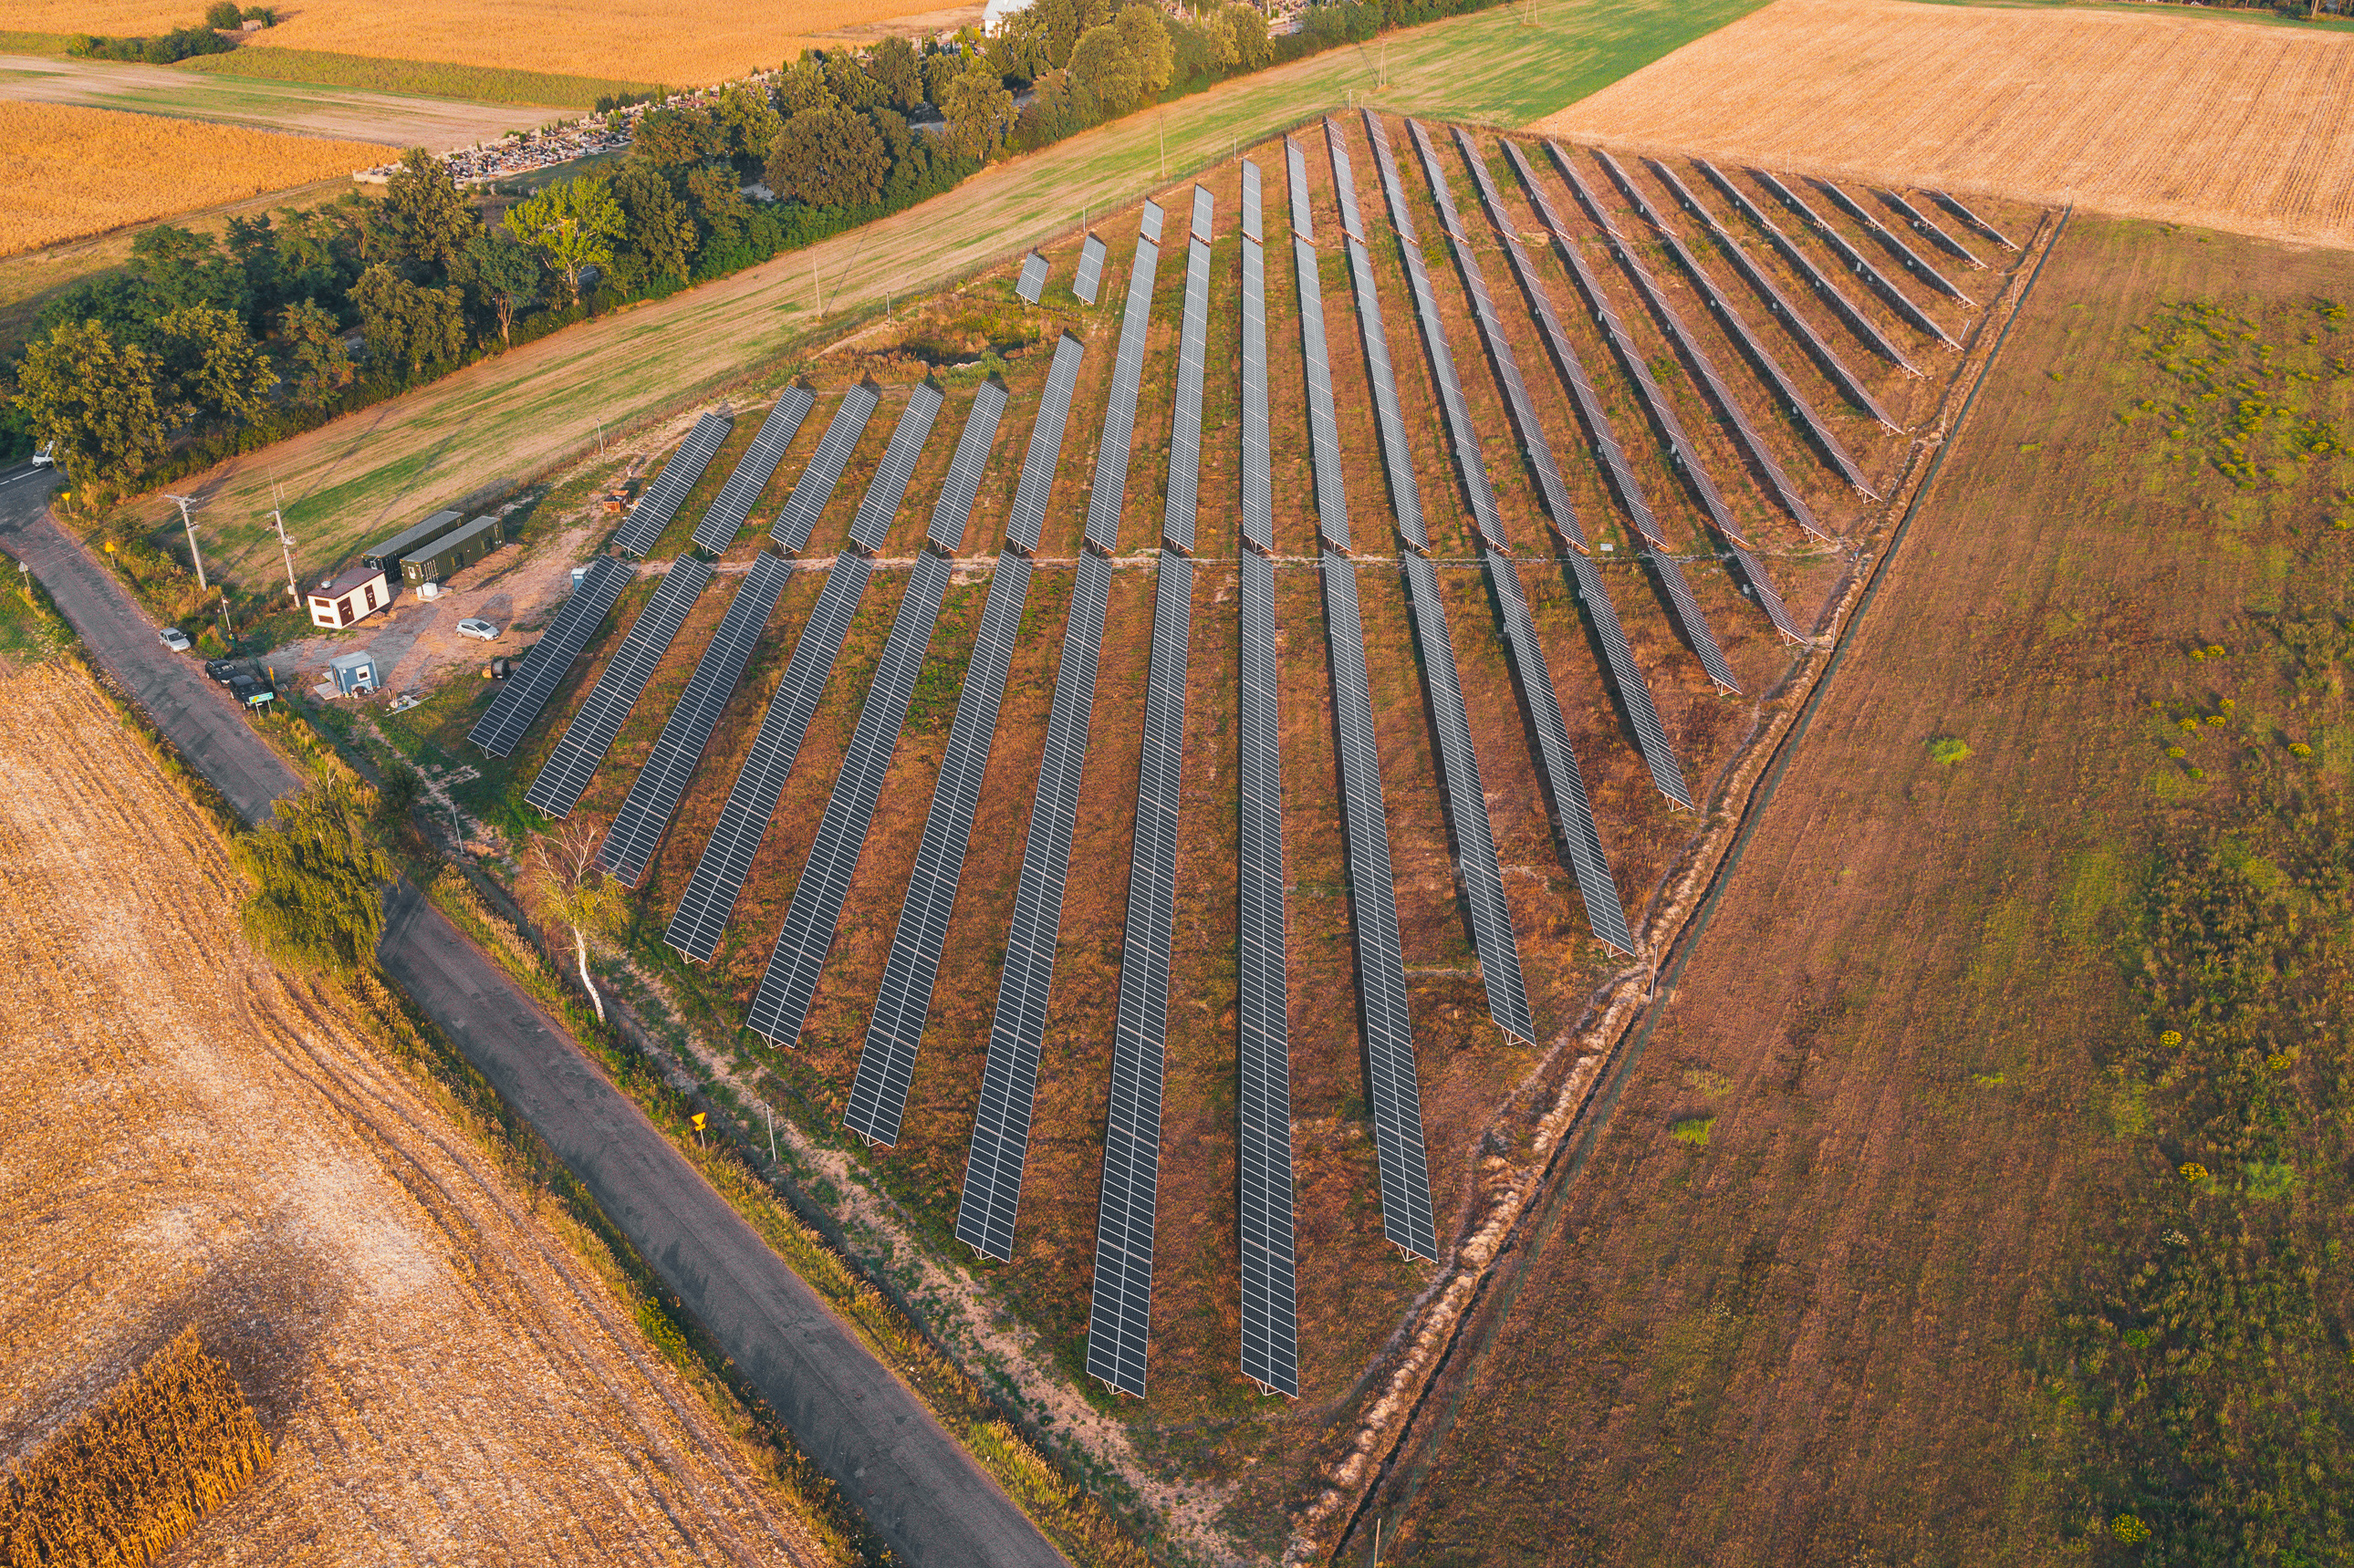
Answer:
(2221, 124)
(124, 1482)
(70, 172)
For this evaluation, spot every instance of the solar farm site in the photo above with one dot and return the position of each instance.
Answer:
(1162, 799)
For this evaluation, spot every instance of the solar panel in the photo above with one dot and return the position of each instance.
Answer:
(638, 827)
(1017, 1031)
(1662, 413)
(1111, 492)
(815, 487)
(1185, 423)
(1970, 218)
(526, 692)
(1258, 487)
(724, 519)
(1149, 225)
(782, 1004)
(1120, 1311)
(1251, 202)
(1914, 261)
(701, 917)
(1767, 366)
(1927, 229)
(662, 499)
(1270, 1326)
(1864, 326)
(1037, 483)
(566, 774)
(1344, 182)
(886, 1059)
(1397, 456)
(1090, 274)
(889, 488)
(1203, 205)
(1295, 165)
(1323, 425)
(952, 512)
(1033, 279)
(1400, 1160)
(1854, 258)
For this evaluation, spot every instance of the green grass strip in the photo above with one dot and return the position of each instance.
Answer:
(417, 79)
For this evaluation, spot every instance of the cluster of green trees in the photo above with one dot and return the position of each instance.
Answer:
(180, 43)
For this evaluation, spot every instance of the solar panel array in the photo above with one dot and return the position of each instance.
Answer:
(782, 1004)
(1037, 479)
(1119, 414)
(886, 1059)
(1033, 279)
(952, 512)
(1192, 350)
(1767, 366)
(817, 483)
(662, 499)
(1855, 259)
(1972, 219)
(1120, 1311)
(638, 827)
(724, 519)
(1258, 487)
(1397, 456)
(889, 488)
(1323, 423)
(1925, 227)
(1564, 242)
(526, 692)
(1251, 202)
(1270, 1325)
(1090, 273)
(1017, 1030)
(566, 774)
(1634, 691)
(1203, 206)
(1915, 262)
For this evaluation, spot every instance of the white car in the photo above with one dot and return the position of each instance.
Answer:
(481, 631)
(175, 639)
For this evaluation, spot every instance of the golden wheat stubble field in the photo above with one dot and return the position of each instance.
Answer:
(70, 172)
(192, 1140)
(2219, 123)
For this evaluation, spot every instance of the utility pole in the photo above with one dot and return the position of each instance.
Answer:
(285, 544)
(819, 284)
(190, 524)
(1164, 146)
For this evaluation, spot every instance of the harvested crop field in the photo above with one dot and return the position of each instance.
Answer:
(71, 172)
(2205, 120)
(197, 1140)
(1811, 1299)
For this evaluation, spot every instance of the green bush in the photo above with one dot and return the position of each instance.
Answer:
(318, 877)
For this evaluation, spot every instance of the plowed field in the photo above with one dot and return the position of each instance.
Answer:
(194, 1139)
(2189, 119)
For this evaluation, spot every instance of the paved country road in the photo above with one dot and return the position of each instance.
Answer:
(918, 1488)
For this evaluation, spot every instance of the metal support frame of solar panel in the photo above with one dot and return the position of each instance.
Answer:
(1634, 691)
(724, 519)
(1767, 366)
(1033, 279)
(816, 485)
(1565, 244)
(662, 499)
(1119, 414)
(1913, 261)
(1655, 401)
(1848, 311)
(638, 827)
(565, 775)
(1856, 261)
(502, 723)
(1975, 222)
(886, 1057)
(701, 917)
(1090, 273)
(1927, 228)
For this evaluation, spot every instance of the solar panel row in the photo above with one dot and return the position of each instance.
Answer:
(952, 512)
(1203, 208)
(1258, 488)
(1862, 325)
(1344, 180)
(1185, 424)
(1927, 229)
(1037, 479)
(1323, 423)
(1090, 274)
(1149, 222)
(1855, 259)
(1251, 202)
(1662, 412)
(889, 488)
(1110, 493)
(1971, 219)
(1032, 282)
(1767, 366)
(566, 774)
(886, 1059)
(782, 1004)
(1119, 1312)
(660, 500)
(1270, 1325)
(724, 518)
(1017, 1030)
(502, 723)
(1913, 261)
(638, 827)
(817, 483)
(1295, 168)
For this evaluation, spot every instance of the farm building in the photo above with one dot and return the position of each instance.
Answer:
(439, 560)
(387, 558)
(359, 592)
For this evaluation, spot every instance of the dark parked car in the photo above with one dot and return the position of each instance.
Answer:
(250, 691)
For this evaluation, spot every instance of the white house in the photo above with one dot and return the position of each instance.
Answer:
(358, 594)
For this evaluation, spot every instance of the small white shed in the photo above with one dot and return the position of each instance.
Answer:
(355, 595)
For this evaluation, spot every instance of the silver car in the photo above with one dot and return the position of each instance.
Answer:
(175, 639)
(481, 631)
